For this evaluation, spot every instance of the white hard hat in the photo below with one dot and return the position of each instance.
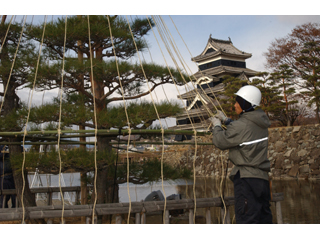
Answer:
(250, 93)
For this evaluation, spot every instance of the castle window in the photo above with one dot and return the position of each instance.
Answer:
(222, 62)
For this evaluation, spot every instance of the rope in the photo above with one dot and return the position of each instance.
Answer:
(194, 87)
(155, 93)
(96, 125)
(165, 200)
(29, 110)
(202, 76)
(199, 70)
(59, 124)
(172, 43)
(186, 86)
(221, 192)
(115, 171)
(169, 68)
(185, 109)
(171, 77)
(5, 37)
(181, 100)
(205, 106)
(128, 121)
(194, 176)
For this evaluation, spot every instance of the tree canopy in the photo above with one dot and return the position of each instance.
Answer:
(300, 52)
(89, 67)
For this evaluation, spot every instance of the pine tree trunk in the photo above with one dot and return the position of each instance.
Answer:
(28, 197)
(83, 175)
(317, 112)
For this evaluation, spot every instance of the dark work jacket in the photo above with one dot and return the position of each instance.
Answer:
(246, 139)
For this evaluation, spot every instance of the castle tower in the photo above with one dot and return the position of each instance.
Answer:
(218, 59)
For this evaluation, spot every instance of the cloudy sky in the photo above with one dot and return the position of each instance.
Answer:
(250, 25)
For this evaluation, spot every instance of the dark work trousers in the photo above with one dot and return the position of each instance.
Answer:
(252, 196)
(8, 183)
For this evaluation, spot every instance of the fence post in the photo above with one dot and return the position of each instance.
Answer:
(225, 211)
(89, 220)
(49, 198)
(191, 216)
(279, 213)
(3, 200)
(208, 216)
(77, 200)
(118, 219)
(143, 218)
(137, 218)
(166, 217)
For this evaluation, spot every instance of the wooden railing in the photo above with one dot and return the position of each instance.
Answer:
(138, 209)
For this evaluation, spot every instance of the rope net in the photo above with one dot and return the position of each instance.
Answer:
(182, 67)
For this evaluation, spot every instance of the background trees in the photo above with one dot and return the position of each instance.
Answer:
(299, 50)
(232, 85)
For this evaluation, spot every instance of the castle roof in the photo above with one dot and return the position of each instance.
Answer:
(216, 47)
(220, 70)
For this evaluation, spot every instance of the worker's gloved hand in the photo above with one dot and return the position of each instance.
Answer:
(215, 121)
(220, 115)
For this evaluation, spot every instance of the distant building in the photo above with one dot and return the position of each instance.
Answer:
(218, 59)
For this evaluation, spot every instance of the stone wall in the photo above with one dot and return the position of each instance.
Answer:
(294, 152)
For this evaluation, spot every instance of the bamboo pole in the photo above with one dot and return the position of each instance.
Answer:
(107, 132)
(92, 143)
(169, 143)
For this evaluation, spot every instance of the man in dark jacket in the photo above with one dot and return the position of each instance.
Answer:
(6, 179)
(247, 141)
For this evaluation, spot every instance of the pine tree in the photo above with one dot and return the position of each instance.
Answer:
(309, 62)
(232, 85)
(270, 99)
(283, 79)
(78, 80)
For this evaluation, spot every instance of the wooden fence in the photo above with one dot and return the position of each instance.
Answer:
(138, 209)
